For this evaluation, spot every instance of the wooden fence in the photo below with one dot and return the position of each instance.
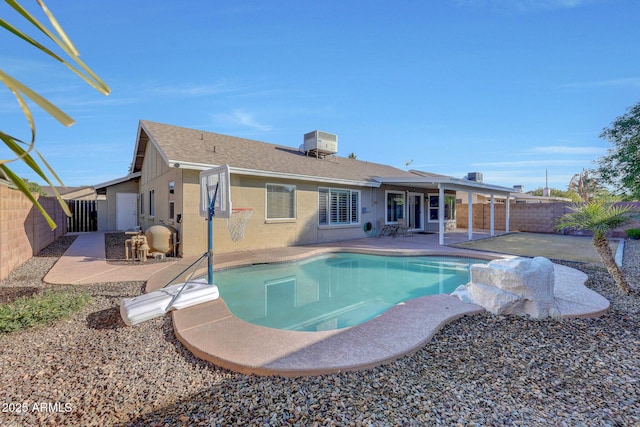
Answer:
(84, 216)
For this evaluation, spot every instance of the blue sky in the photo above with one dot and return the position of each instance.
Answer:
(509, 88)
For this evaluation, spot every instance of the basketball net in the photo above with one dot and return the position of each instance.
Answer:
(237, 222)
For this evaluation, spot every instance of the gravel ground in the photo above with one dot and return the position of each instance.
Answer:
(481, 370)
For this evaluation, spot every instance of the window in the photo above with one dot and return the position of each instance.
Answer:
(395, 206)
(281, 201)
(152, 202)
(141, 203)
(172, 189)
(338, 207)
(449, 207)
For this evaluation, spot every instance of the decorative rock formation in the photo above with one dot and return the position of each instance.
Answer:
(522, 286)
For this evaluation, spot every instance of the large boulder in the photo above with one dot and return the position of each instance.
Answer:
(522, 286)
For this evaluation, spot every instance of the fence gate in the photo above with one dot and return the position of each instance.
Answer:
(84, 215)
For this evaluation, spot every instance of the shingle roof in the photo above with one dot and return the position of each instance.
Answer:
(199, 147)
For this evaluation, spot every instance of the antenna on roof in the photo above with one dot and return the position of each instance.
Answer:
(546, 192)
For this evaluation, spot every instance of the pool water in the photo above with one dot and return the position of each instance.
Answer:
(336, 290)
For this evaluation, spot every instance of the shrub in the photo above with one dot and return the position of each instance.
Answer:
(633, 233)
(27, 312)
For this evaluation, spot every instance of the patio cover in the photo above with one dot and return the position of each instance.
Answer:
(442, 183)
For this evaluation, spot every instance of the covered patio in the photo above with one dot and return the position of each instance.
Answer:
(440, 184)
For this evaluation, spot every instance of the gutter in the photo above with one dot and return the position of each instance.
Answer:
(278, 175)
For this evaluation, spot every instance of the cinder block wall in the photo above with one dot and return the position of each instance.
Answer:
(23, 230)
(526, 217)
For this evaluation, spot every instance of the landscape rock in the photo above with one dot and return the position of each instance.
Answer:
(521, 286)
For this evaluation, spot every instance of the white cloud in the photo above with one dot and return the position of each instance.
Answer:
(243, 118)
(629, 82)
(531, 163)
(219, 87)
(523, 6)
(564, 149)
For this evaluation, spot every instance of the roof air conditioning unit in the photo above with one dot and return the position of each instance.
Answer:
(518, 188)
(320, 143)
(474, 176)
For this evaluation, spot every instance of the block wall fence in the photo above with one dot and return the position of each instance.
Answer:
(526, 217)
(23, 230)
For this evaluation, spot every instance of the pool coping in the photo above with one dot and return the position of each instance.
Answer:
(212, 333)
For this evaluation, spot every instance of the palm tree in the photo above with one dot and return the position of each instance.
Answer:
(584, 185)
(600, 218)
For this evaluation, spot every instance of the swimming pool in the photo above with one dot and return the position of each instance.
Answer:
(337, 290)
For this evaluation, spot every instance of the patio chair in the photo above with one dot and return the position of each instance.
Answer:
(387, 229)
(401, 228)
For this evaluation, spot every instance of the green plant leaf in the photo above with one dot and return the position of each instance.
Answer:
(51, 109)
(64, 43)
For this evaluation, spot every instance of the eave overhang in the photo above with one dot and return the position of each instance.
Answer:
(275, 175)
(448, 183)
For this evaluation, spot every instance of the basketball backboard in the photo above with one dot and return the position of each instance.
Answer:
(215, 184)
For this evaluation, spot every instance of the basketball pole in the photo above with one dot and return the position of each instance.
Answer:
(211, 214)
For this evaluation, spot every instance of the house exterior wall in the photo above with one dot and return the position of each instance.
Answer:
(155, 178)
(107, 209)
(260, 232)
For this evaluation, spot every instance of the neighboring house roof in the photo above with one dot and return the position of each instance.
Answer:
(70, 193)
(538, 199)
(195, 149)
(102, 187)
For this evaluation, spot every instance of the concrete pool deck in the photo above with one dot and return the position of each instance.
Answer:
(212, 333)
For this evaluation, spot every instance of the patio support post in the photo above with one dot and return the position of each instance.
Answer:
(470, 214)
(507, 212)
(441, 214)
(492, 216)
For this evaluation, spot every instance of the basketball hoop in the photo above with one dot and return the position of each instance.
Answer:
(237, 222)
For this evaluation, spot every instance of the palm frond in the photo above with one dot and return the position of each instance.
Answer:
(19, 147)
(20, 184)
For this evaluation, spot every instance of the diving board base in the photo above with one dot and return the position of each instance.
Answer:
(155, 304)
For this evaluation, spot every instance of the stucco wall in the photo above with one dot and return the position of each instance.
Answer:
(23, 230)
(260, 233)
(107, 209)
(156, 175)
